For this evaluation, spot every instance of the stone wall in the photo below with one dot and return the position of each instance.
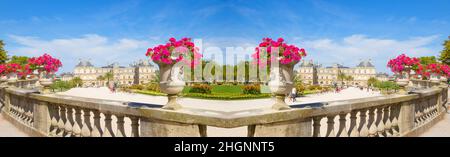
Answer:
(383, 116)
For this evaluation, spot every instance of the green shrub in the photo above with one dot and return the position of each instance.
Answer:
(300, 88)
(153, 87)
(226, 89)
(137, 86)
(314, 87)
(201, 88)
(251, 89)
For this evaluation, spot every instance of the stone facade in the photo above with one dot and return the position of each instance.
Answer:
(140, 72)
(311, 73)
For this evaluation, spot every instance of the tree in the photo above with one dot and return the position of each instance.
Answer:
(101, 79)
(3, 53)
(372, 81)
(445, 53)
(428, 60)
(22, 60)
(77, 81)
(341, 76)
(109, 76)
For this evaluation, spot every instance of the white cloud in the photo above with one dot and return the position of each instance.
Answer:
(349, 50)
(98, 48)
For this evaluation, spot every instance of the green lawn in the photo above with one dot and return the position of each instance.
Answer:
(219, 92)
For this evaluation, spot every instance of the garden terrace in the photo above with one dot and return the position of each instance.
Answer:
(67, 116)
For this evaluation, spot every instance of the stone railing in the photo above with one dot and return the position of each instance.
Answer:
(65, 116)
(27, 84)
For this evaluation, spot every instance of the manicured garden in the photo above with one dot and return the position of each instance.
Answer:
(217, 92)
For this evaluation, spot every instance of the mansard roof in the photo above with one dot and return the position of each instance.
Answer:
(366, 63)
(84, 63)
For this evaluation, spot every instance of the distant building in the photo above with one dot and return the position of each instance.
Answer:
(382, 76)
(66, 76)
(311, 73)
(140, 72)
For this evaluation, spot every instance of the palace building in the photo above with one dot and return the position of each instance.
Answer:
(311, 73)
(140, 72)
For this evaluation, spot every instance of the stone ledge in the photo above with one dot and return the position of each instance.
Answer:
(26, 129)
(424, 127)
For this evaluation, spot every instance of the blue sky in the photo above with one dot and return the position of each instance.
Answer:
(337, 31)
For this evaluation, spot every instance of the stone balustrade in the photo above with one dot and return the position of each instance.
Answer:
(384, 116)
(27, 84)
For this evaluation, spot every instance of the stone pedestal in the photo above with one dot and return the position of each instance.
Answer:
(280, 104)
(41, 117)
(297, 128)
(172, 103)
(406, 117)
(157, 128)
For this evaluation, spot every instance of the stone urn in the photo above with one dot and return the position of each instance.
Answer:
(172, 83)
(281, 83)
(45, 81)
(12, 77)
(435, 78)
(403, 81)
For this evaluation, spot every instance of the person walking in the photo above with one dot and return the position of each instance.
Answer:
(293, 94)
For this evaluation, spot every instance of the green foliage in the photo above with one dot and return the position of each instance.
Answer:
(445, 53)
(427, 60)
(153, 87)
(201, 88)
(109, 76)
(137, 86)
(22, 60)
(372, 81)
(217, 89)
(62, 85)
(226, 96)
(386, 85)
(314, 87)
(251, 89)
(77, 81)
(300, 88)
(3, 53)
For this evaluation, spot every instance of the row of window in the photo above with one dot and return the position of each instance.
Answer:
(85, 71)
(357, 71)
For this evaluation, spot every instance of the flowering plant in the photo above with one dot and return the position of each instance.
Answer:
(44, 63)
(404, 63)
(2, 69)
(438, 69)
(11, 68)
(175, 51)
(286, 53)
(24, 71)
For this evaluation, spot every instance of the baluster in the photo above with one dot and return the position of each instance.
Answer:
(342, 129)
(380, 123)
(387, 121)
(77, 123)
(120, 127)
(86, 129)
(330, 126)
(55, 119)
(353, 130)
(108, 126)
(134, 126)
(97, 130)
(62, 121)
(416, 113)
(363, 129)
(316, 126)
(395, 112)
(371, 124)
(69, 122)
